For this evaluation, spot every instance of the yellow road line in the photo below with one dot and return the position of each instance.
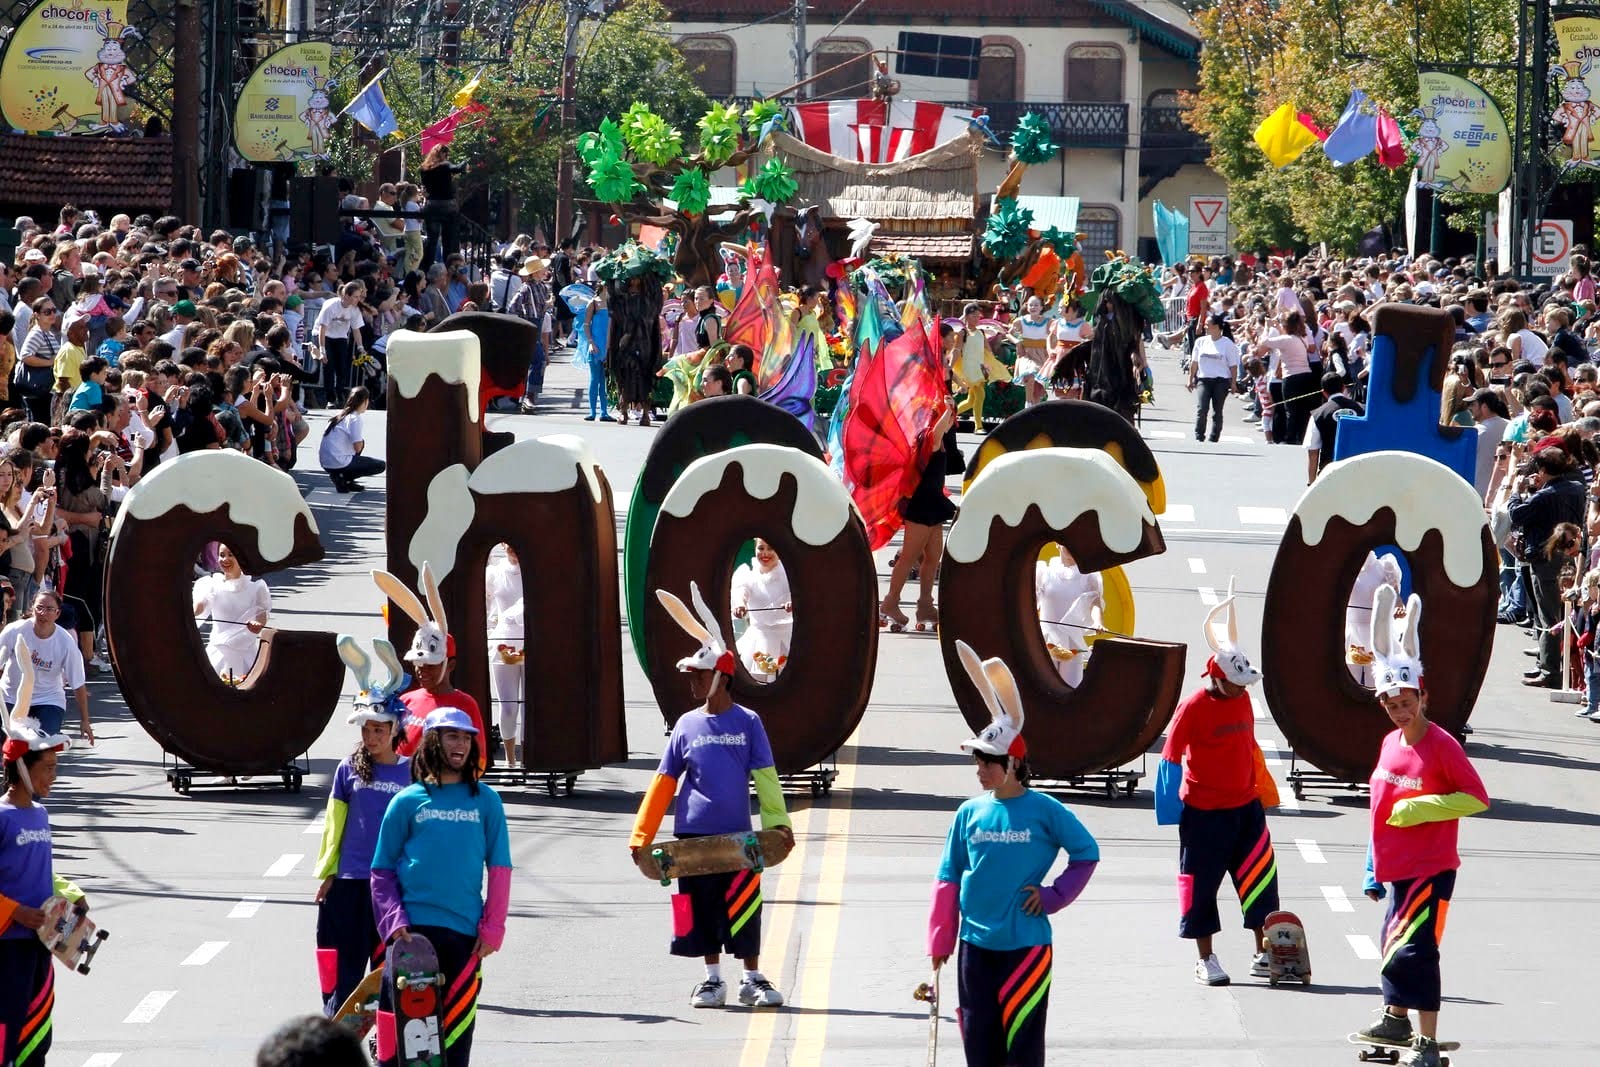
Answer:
(775, 939)
(816, 970)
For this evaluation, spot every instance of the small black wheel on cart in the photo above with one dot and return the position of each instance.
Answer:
(182, 783)
(571, 784)
(550, 784)
(1128, 787)
(827, 786)
(295, 781)
(1111, 789)
(1299, 792)
(816, 788)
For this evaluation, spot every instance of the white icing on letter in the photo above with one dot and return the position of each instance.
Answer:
(449, 516)
(1065, 483)
(822, 507)
(541, 465)
(255, 494)
(1424, 495)
(451, 356)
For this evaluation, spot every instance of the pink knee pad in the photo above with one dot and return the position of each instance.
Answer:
(1185, 892)
(385, 1034)
(327, 969)
(682, 914)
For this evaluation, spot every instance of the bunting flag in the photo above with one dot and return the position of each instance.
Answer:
(444, 131)
(371, 108)
(463, 95)
(1356, 133)
(877, 131)
(1391, 146)
(1285, 133)
(1172, 234)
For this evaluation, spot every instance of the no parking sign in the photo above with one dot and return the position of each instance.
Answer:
(1552, 244)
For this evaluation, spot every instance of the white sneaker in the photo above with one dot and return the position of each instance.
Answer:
(1262, 966)
(98, 664)
(1209, 972)
(757, 992)
(711, 993)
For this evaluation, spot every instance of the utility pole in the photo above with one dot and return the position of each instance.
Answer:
(569, 118)
(799, 41)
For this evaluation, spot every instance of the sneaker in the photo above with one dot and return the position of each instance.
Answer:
(1209, 972)
(1388, 1030)
(1261, 966)
(1533, 672)
(1424, 1053)
(98, 664)
(711, 993)
(1581, 713)
(757, 992)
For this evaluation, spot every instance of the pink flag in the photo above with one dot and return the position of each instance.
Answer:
(1391, 148)
(444, 131)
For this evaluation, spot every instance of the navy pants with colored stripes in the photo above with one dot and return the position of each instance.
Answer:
(1234, 841)
(27, 998)
(1411, 934)
(348, 945)
(716, 913)
(1004, 996)
(463, 977)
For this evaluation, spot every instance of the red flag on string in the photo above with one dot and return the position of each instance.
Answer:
(444, 131)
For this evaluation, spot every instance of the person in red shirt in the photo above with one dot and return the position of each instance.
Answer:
(1218, 807)
(1422, 786)
(1196, 308)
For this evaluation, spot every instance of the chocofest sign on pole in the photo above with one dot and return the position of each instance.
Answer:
(283, 112)
(1462, 145)
(65, 69)
(1576, 83)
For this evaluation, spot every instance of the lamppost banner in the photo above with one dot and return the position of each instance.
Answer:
(284, 112)
(1576, 74)
(65, 69)
(1462, 144)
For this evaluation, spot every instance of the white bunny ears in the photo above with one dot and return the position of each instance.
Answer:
(23, 732)
(712, 655)
(432, 644)
(1398, 664)
(372, 703)
(1003, 736)
(1222, 634)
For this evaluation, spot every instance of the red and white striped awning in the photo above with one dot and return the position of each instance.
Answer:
(877, 131)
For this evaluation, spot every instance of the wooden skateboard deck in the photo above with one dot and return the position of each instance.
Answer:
(1288, 956)
(753, 850)
(1389, 1052)
(928, 992)
(69, 933)
(359, 1010)
(416, 990)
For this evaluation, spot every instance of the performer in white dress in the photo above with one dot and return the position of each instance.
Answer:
(238, 606)
(502, 594)
(760, 593)
(1070, 606)
(1375, 571)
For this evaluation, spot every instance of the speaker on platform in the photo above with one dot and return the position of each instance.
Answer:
(314, 211)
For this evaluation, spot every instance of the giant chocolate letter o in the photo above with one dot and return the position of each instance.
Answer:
(701, 429)
(1354, 506)
(1075, 424)
(794, 501)
(1085, 500)
(156, 651)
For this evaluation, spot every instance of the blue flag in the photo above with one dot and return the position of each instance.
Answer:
(1355, 135)
(371, 108)
(1172, 234)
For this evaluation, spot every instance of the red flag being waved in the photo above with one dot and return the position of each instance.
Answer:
(444, 131)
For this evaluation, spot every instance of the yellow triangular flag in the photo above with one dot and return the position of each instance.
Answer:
(1282, 136)
(463, 95)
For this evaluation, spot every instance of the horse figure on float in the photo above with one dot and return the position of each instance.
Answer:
(811, 258)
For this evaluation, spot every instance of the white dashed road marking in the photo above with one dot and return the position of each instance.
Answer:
(1310, 851)
(1263, 516)
(1257, 707)
(1196, 565)
(1208, 596)
(284, 865)
(1337, 901)
(1364, 948)
(314, 828)
(247, 908)
(148, 1008)
(1162, 435)
(102, 1059)
(1235, 439)
(1178, 513)
(208, 951)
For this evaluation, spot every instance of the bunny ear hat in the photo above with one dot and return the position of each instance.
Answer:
(1228, 660)
(1003, 736)
(23, 732)
(1398, 663)
(375, 701)
(712, 655)
(432, 643)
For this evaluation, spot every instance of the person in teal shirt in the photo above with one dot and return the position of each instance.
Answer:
(89, 395)
(990, 894)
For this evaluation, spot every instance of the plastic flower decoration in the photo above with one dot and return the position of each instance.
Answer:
(1030, 141)
(1007, 232)
(691, 190)
(1064, 243)
(774, 182)
(759, 113)
(592, 145)
(650, 137)
(719, 134)
(611, 177)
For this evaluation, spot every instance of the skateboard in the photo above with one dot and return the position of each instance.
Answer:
(359, 1010)
(1288, 957)
(1389, 1052)
(416, 990)
(753, 850)
(69, 933)
(928, 992)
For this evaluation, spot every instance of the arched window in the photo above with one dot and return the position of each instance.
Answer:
(997, 73)
(852, 79)
(1101, 226)
(711, 63)
(1094, 73)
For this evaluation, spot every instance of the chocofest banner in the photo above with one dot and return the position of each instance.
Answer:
(65, 69)
(1577, 82)
(283, 112)
(1462, 145)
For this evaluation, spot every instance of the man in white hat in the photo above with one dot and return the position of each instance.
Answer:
(532, 302)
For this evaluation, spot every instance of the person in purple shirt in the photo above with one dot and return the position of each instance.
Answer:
(27, 882)
(712, 756)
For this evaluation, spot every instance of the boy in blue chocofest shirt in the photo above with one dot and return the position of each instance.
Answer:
(990, 894)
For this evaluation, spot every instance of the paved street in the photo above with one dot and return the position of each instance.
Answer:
(209, 897)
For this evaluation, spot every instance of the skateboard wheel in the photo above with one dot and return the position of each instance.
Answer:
(1364, 1057)
(402, 982)
(1273, 982)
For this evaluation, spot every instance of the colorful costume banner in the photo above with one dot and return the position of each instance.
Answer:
(1576, 81)
(1462, 144)
(65, 69)
(283, 112)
